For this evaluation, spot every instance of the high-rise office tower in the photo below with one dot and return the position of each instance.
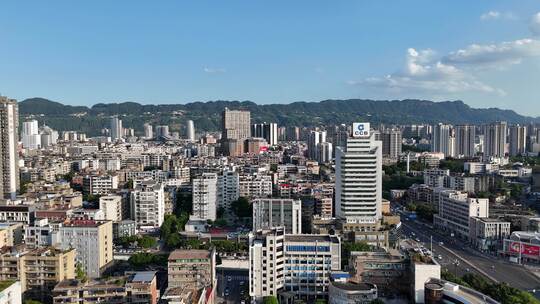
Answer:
(116, 128)
(236, 128)
(440, 139)
(518, 140)
(190, 131)
(465, 137)
(9, 136)
(30, 135)
(148, 132)
(391, 142)
(359, 177)
(314, 139)
(268, 131)
(271, 133)
(495, 139)
(257, 130)
(236, 124)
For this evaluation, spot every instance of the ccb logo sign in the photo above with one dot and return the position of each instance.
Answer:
(360, 129)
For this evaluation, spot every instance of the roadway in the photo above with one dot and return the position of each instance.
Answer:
(468, 260)
(233, 286)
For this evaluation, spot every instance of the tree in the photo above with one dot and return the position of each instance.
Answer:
(79, 273)
(220, 222)
(129, 184)
(143, 259)
(270, 300)
(146, 242)
(173, 241)
(348, 247)
(31, 302)
(242, 208)
(220, 212)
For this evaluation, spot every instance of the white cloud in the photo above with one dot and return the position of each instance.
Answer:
(496, 15)
(495, 55)
(422, 73)
(534, 25)
(214, 70)
(490, 15)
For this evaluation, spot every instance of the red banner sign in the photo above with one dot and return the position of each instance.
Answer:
(524, 248)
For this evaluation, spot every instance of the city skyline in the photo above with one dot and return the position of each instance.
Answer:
(486, 55)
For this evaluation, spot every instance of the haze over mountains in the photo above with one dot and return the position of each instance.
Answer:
(206, 115)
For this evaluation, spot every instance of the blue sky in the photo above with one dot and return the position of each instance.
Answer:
(486, 53)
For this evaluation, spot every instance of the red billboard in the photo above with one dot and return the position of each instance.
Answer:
(526, 249)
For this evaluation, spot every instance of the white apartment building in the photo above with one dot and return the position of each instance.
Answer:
(228, 188)
(488, 233)
(205, 192)
(495, 140)
(277, 212)
(159, 176)
(293, 265)
(517, 140)
(359, 177)
(266, 263)
(92, 240)
(30, 135)
(441, 139)
(455, 211)
(435, 177)
(111, 205)
(100, 184)
(148, 204)
(251, 186)
(11, 294)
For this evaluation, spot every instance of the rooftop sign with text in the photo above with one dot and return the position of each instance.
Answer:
(360, 129)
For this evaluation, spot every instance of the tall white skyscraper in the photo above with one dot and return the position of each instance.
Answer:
(30, 135)
(116, 128)
(148, 131)
(359, 177)
(9, 136)
(270, 133)
(518, 140)
(314, 139)
(205, 196)
(440, 139)
(495, 139)
(190, 131)
(465, 137)
(49, 137)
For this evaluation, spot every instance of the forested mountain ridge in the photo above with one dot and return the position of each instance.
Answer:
(207, 115)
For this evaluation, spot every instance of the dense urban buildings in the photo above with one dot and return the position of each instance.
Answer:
(339, 213)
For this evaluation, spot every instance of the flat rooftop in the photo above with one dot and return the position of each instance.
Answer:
(189, 254)
(311, 238)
